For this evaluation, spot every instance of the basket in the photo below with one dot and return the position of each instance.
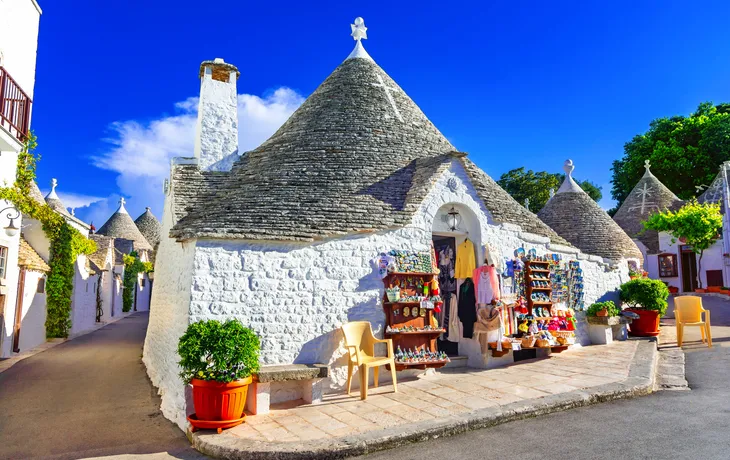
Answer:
(542, 343)
(528, 341)
(562, 341)
(565, 334)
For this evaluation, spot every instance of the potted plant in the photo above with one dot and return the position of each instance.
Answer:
(648, 299)
(725, 290)
(218, 360)
(715, 289)
(604, 309)
(673, 289)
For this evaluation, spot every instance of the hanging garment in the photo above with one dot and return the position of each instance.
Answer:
(453, 319)
(447, 282)
(486, 284)
(465, 260)
(487, 328)
(491, 256)
(467, 307)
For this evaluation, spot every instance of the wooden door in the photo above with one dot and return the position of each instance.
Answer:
(689, 271)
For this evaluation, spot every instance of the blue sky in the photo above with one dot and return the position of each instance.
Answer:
(512, 84)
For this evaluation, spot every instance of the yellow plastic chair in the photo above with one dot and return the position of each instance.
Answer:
(688, 312)
(360, 343)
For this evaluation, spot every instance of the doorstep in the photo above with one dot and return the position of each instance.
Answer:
(448, 402)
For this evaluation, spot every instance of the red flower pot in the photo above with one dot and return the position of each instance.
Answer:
(647, 325)
(715, 289)
(215, 401)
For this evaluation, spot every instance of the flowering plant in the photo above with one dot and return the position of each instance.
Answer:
(222, 352)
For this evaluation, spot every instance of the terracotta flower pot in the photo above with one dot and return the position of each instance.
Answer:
(215, 401)
(602, 313)
(700, 291)
(716, 289)
(647, 325)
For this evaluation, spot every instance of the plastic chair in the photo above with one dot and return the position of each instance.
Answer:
(360, 343)
(688, 312)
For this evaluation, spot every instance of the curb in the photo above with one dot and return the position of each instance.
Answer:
(641, 381)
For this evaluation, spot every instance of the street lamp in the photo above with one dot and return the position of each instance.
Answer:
(11, 230)
(454, 219)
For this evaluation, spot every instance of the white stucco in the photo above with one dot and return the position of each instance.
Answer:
(33, 319)
(143, 288)
(83, 300)
(296, 296)
(712, 259)
(8, 283)
(216, 140)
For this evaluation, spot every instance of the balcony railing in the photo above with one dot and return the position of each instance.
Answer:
(14, 106)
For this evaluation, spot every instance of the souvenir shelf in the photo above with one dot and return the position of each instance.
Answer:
(400, 315)
(537, 271)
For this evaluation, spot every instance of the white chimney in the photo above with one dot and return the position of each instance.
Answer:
(216, 136)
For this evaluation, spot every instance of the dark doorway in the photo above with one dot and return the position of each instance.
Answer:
(689, 270)
(448, 287)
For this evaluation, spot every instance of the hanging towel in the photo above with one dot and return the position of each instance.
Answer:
(454, 324)
(465, 260)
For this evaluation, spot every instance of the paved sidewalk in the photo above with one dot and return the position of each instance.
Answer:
(448, 402)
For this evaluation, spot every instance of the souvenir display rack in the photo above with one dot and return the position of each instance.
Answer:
(538, 284)
(411, 323)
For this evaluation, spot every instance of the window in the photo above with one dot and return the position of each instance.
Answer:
(142, 283)
(667, 265)
(41, 286)
(3, 260)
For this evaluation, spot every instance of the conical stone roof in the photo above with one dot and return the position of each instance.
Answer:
(350, 159)
(579, 219)
(149, 226)
(648, 197)
(121, 225)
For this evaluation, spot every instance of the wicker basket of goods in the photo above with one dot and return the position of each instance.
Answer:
(528, 341)
(542, 343)
(565, 334)
(562, 340)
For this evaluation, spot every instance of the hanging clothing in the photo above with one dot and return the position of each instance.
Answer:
(447, 282)
(467, 307)
(465, 260)
(486, 284)
(453, 319)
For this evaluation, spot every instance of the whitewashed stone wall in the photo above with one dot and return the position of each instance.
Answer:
(295, 296)
(169, 317)
(143, 289)
(83, 300)
(33, 315)
(712, 259)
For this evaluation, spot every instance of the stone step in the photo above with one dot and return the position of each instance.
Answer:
(457, 361)
(670, 371)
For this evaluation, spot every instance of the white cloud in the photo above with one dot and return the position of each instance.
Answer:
(141, 151)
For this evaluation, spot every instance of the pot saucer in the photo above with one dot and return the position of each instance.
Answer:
(218, 425)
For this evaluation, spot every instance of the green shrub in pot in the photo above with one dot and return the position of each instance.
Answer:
(608, 305)
(645, 294)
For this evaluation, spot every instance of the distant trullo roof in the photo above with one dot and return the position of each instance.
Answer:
(121, 225)
(648, 197)
(716, 191)
(149, 226)
(357, 156)
(579, 219)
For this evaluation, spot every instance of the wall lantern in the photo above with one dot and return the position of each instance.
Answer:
(454, 219)
(11, 230)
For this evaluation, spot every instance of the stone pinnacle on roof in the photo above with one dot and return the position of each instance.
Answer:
(121, 225)
(359, 32)
(577, 218)
(648, 197)
(54, 201)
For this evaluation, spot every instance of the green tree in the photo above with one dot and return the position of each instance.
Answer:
(536, 186)
(698, 225)
(685, 152)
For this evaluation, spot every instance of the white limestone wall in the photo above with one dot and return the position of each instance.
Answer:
(83, 300)
(712, 259)
(8, 283)
(19, 40)
(36, 237)
(33, 319)
(143, 290)
(169, 317)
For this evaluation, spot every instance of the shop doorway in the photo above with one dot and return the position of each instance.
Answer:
(444, 245)
(689, 269)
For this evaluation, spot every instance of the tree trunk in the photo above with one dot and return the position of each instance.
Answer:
(699, 271)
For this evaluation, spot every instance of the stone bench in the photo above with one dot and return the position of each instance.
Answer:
(288, 382)
(604, 329)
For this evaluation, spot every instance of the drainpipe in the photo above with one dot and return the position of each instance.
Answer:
(19, 310)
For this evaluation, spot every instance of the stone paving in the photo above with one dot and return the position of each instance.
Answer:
(447, 392)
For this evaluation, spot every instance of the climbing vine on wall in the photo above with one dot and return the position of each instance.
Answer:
(133, 266)
(66, 242)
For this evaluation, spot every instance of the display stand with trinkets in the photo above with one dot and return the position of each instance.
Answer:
(410, 303)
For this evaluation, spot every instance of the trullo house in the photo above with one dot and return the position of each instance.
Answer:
(286, 237)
